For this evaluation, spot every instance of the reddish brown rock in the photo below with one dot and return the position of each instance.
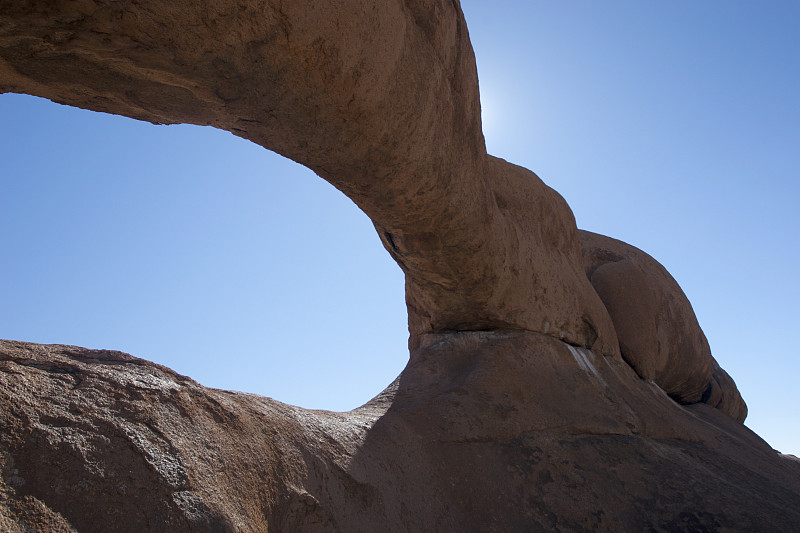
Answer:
(626, 293)
(723, 394)
(652, 316)
(481, 432)
(658, 332)
(516, 411)
(379, 99)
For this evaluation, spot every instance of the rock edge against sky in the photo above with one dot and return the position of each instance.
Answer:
(557, 378)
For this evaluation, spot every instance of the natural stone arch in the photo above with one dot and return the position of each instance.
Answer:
(381, 101)
(374, 99)
(515, 367)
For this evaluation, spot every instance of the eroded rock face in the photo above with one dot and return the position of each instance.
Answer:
(658, 332)
(652, 316)
(481, 432)
(544, 362)
(629, 299)
(379, 99)
(723, 394)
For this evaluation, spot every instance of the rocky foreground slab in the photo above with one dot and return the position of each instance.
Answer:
(481, 432)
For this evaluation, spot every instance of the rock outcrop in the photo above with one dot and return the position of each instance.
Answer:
(483, 431)
(557, 379)
(658, 332)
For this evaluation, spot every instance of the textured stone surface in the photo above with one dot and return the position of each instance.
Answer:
(653, 318)
(658, 332)
(481, 432)
(626, 293)
(723, 394)
(544, 362)
(380, 99)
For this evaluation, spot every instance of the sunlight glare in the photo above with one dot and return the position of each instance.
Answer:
(493, 116)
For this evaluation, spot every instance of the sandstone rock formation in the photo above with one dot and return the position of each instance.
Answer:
(557, 379)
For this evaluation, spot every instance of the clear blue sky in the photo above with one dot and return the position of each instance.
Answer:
(674, 126)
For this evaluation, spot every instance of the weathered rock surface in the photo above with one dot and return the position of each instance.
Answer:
(481, 432)
(558, 380)
(380, 99)
(723, 394)
(658, 332)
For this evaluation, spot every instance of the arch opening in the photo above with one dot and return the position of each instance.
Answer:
(197, 250)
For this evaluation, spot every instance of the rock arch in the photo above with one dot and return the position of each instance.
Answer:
(381, 101)
(533, 345)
